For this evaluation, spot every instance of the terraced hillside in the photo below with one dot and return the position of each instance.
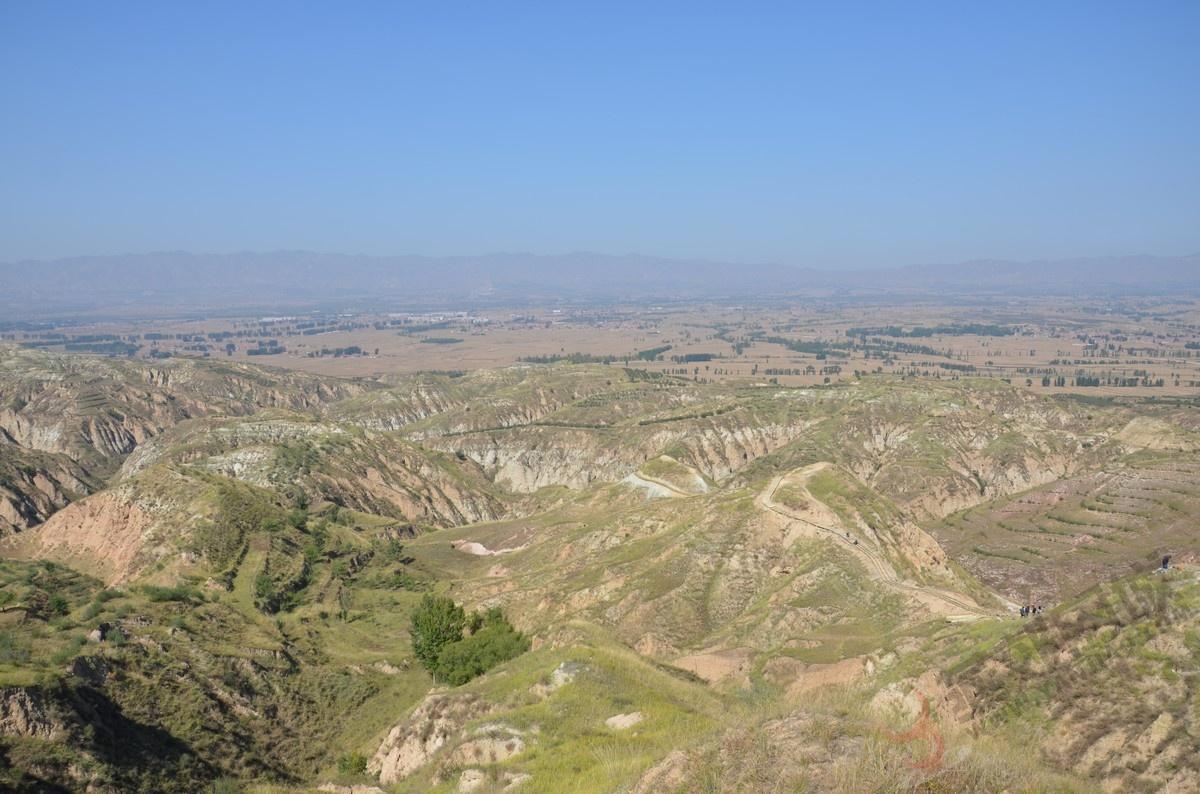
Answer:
(210, 575)
(1059, 539)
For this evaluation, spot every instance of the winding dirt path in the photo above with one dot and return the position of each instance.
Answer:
(954, 606)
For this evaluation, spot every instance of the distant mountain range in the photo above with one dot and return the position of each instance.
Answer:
(179, 281)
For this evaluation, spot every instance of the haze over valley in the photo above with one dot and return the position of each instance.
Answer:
(184, 282)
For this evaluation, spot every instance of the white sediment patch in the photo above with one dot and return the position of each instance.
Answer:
(653, 490)
(480, 550)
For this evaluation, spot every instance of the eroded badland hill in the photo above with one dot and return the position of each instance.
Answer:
(210, 572)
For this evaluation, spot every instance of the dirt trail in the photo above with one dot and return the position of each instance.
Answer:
(955, 606)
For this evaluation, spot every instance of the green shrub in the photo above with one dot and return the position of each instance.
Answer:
(69, 651)
(12, 649)
(226, 785)
(477, 653)
(298, 518)
(402, 580)
(266, 597)
(352, 764)
(58, 605)
(161, 594)
(240, 511)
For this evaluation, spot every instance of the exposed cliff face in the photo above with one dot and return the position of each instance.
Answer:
(114, 534)
(535, 457)
(98, 410)
(529, 458)
(364, 470)
(443, 493)
(400, 406)
(67, 422)
(719, 450)
(34, 485)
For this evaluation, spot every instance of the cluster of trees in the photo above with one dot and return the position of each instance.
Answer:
(455, 647)
(105, 348)
(972, 329)
(572, 358)
(267, 347)
(837, 350)
(1093, 381)
(418, 328)
(652, 354)
(338, 352)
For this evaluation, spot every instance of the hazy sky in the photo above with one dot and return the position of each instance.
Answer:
(823, 135)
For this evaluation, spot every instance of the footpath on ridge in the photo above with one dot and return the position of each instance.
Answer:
(954, 606)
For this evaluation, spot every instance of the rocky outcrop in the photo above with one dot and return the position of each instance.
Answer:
(952, 703)
(27, 712)
(623, 722)
(434, 723)
(358, 788)
(533, 458)
(397, 407)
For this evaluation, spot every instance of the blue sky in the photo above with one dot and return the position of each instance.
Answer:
(827, 135)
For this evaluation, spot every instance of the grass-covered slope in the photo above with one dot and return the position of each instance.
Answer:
(1109, 684)
(723, 587)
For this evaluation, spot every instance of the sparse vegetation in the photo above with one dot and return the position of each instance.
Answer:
(298, 575)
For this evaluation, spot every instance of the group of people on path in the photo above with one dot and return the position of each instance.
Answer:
(1037, 609)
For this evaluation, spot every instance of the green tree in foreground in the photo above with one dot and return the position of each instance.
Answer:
(452, 658)
(437, 622)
